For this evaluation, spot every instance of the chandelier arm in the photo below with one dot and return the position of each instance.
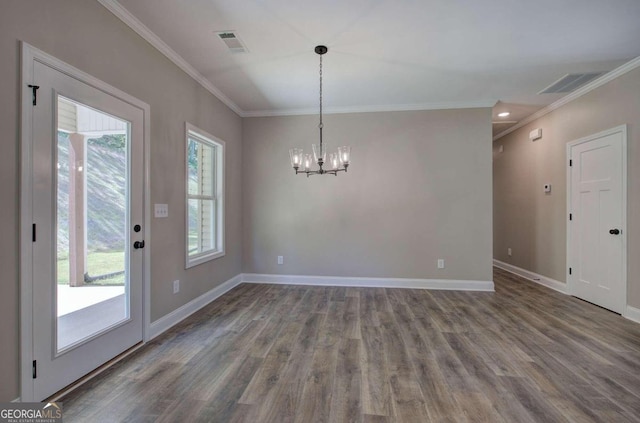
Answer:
(320, 172)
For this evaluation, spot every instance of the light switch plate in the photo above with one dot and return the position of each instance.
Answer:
(161, 210)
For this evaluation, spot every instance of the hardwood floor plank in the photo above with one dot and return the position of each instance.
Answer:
(280, 402)
(222, 400)
(277, 316)
(576, 402)
(490, 384)
(541, 410)
(408, 401)
(368, 418)
(345, 398)
(375, 374)
(368, 313)
(439, 403)
(269, 373)
(338, 293)
(352, 317)
(315, 401)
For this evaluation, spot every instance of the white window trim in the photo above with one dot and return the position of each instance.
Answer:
(206, 138)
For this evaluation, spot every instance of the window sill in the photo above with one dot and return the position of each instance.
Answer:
(199, 259)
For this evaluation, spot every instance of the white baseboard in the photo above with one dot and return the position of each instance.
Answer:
(460, 285)
(533, 277)
(632, 313)
(167, 321)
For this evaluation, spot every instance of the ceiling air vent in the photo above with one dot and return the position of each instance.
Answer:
(570, 82)
(233, 43)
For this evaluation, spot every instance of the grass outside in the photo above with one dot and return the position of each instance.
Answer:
(98, 263)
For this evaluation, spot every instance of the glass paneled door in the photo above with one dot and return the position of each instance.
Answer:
(87, 177)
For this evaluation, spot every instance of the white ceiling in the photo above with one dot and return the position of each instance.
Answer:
(394, 54)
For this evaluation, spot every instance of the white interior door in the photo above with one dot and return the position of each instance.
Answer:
(87, 210)
(597, 226)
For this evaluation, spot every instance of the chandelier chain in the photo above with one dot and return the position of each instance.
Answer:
(320, 125)
(320, 91)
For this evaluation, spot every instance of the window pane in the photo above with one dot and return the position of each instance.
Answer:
(193, 227)
(192, 163)
(92, 207)
(201, 226)
(200, 161)
(206, 225)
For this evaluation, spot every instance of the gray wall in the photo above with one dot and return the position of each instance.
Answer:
(534, 224)
(419, 189)
(86, 35)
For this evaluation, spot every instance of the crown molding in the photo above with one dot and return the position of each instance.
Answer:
(607, 77)
(374, 108)
(125, 16)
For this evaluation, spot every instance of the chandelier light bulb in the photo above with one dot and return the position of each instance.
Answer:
(296, 157)
(307, 161)
(345, 155)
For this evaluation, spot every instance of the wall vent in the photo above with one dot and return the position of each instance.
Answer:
(231, 40)
(570, 82)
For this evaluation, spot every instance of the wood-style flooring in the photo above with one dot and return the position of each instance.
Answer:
(274, 353)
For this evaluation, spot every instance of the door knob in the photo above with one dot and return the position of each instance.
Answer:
(138, 244)
(614, 231)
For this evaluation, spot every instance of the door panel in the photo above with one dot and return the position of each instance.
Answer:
(597, 206)
(87, 177)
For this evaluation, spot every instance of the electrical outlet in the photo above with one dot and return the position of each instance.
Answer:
(440, 263)
(176, 287)
(280, 259)
(509, 251)
(161, 210)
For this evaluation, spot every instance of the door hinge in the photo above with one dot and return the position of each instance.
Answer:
(33, 233)
(570, 216)
(570, 162)
(569, 270)
(35, 369)
(35, 93)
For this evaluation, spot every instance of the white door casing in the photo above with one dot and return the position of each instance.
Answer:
(596, 233)
(56, 369)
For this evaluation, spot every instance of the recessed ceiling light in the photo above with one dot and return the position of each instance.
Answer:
(503, 114)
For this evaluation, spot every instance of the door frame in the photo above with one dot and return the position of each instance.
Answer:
(618, 129)
(30, 55)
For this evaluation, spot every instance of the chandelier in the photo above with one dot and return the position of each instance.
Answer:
(338, 161)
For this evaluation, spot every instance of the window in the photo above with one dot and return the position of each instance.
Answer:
(205, 196)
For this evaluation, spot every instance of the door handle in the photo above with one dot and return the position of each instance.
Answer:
(138, 244)
(614, 231)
